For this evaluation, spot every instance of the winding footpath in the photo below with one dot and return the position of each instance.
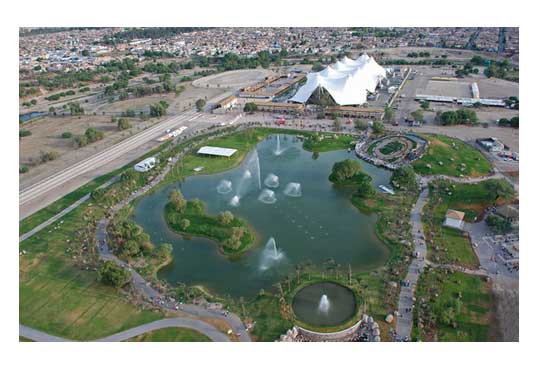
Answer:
(198, 325)
(408, 286)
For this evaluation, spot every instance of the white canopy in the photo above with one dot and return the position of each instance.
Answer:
(216, 151)
(348, 81)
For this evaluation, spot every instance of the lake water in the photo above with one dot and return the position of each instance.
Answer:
(318, 225)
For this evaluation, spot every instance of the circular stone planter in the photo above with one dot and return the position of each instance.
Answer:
(337, 307)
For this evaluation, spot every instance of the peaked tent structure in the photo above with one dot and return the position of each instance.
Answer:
(347, 82)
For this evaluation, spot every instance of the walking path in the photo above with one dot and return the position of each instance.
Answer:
(408, 286)
(65, 211)
(198, 325)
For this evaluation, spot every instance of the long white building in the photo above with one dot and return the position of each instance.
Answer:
(348, 81)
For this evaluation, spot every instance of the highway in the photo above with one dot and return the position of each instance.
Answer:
(95, 161)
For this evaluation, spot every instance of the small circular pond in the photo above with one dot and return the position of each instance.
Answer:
(324, 304)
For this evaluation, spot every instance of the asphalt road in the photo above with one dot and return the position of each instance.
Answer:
(198, 325)
(51, 183)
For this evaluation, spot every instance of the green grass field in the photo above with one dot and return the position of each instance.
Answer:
(328, 143)
(391, 147)
(452, 153)
(171, 335)
(63, 299)
(454, 246)
(450, 317)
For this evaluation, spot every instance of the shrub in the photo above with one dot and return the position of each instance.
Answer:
(24, 133)
(23, 169)
(123, 124)
(67, 135)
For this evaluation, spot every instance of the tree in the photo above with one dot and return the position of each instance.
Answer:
(225, 217)
(498, 224)
(123, 124)
(200, 103)
(197, 205)
(404, 178)
(178, 201)
(345, 170)
(364, 188)
(378, 127)
(389, 115)
(164, 251)
(234, 241)
(417, 115)
(184, 224)
(499, 188)
(250, 107)
(337, 124)
(113, 274)
(425, 105)
(361, 125)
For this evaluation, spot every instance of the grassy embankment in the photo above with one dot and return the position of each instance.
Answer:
(453, 307)
(456, 158)
(171, 335)
(447, 245)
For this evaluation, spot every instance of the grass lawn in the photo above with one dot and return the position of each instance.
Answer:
(60, 296)
(329, 142)
(270, 324)
(454, 246)
(451, 152)
(448, 317)
(171, 334)
(391, 147)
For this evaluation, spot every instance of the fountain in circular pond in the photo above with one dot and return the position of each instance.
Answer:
(325, 304)
(293, 189)
(272, 181)
(271, 255)
(224, 187)
(267, 196)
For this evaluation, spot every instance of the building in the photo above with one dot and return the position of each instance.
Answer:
(216, 151)
(491, 144)
(347, 82)
(454, 219)
(145, 165)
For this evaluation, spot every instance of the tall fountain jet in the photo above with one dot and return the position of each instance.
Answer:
(323, 305)
(278, 151)
(271, 254)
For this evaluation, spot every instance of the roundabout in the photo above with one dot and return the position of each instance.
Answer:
(393, 151)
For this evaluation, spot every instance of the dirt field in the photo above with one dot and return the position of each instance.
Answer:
(233, 79)
(448, 88)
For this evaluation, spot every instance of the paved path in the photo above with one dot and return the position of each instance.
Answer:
(406, 297)
(198, 325)
(65, 211)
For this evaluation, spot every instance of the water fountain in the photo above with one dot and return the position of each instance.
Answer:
(293, 189)
(278, 151)
(272, 181)
(253, 165)
(235, 201)
(324, 304)
(267, 196)
(224, 187)
(271, 255)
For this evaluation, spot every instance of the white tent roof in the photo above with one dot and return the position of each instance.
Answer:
(348, 81)
(216, 151)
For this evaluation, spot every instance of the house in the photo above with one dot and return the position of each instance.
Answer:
(454, 219)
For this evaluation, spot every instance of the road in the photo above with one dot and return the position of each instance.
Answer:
(35, 191)
(213, 333)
